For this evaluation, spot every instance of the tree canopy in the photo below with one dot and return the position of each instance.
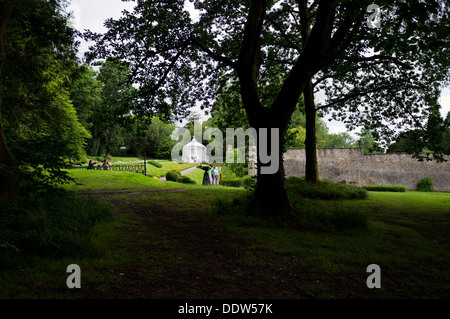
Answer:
(39, 61)
(279, 50)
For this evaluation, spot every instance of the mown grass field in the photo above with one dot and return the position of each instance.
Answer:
(164, 242)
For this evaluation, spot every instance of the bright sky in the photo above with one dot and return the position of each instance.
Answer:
(91, 14)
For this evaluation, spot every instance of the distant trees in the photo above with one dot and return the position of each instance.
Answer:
(155, 139)
(436, 138)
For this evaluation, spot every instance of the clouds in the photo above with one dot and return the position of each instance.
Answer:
(445, 101)
(91, 15)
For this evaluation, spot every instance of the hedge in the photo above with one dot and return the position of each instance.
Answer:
(156, 164)
(238, 182)
(385, 188)
(186, 180)
(425, 185)
(326, 190)
(175, 176)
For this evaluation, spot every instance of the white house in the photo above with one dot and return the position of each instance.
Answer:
(194, 152)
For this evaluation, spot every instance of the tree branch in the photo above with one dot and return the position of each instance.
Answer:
(337, 41)
(352, 95)
(304, 20)
(308, 63)
(213, 55)
(285, 36)
(376, 57)
(250, 59)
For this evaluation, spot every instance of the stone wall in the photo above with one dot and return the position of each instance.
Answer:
(354, 167)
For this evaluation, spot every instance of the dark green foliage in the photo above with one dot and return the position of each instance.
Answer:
(324, 190)
(239, 169)
(175, 176)
(156, 164)
(153, 139)
(41, 125)
(186, 180)
(435, 140)
(425, 185)
(306, 213)
(237, 182)
(41, 163)
(385, 188)
(246, 181)
(42, 225)
(109, 116)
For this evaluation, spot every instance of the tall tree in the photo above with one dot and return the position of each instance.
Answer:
(9, 183)
(85, 93)
(39, 56)
(260, 42)
(111, 116)
(435, 140)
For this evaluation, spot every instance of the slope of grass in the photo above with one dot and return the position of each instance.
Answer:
(99, 179)
(196, 175)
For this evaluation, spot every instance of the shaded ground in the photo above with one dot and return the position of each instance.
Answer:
(182, 254)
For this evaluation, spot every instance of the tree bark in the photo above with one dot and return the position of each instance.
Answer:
(270, 197)
(311, 167)
(9, 182)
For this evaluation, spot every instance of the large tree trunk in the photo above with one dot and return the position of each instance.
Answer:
(271, 197)
(311, 168)
(9, 183)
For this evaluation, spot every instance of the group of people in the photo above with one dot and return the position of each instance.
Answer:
(105, 165)
(212, 175)
(215, 175)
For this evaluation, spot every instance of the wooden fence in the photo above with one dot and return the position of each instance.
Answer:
(137, 168)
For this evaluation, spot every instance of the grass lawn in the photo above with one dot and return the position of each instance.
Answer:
(408, 237)
(196, 175)
(167, 166)
(164, 242)
(151, 170)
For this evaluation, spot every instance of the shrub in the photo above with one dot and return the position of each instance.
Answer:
(246, 181)
(186, 180)
(425, 185)
(173, 176)
(239, 169)
(237, 182)
(327, 190)
(156, 164)
(385, 188)
(250, 183)
(306, 215)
